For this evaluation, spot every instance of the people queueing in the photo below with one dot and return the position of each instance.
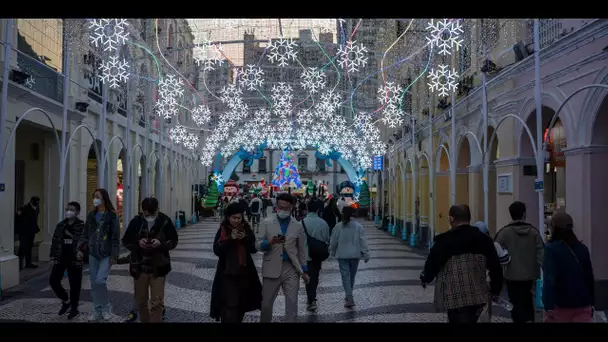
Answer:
(568, 286)
(150, 237)
(65, 257)
(101, 240)
(283, 241)
(318, 238)
(27, 228)
(525, 246)
(348, 245)
(331, 213)
(236, 286)
(459, 259)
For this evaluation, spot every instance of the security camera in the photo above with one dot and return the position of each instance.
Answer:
(82, 106)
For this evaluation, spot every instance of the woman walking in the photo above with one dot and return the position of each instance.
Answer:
(236, 286)
(568, 286)
(101, 239)
(348, 244)
(331, 212)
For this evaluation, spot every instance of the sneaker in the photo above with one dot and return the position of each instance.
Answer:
(312, 307)
(106, 316)
(94, 317)
(132, 317)
(349, 302)
(73, 313)
(64, 308)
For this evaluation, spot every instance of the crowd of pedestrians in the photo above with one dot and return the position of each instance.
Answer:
(467, 265)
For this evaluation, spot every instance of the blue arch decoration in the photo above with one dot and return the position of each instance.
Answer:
(241, 155)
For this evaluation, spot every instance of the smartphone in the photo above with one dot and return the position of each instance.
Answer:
(281, 237)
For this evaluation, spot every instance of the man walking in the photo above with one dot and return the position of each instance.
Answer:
(317, 232)
(150, 237)
(283, 242)
(525, 245)
(27, 223)
(255, 208)
(459, 259)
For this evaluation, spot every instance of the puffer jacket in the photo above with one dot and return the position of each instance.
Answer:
(348, 241)
(76, 229)
(101, 239)
(525, 246)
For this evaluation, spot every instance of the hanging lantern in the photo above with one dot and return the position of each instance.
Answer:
(556, 144)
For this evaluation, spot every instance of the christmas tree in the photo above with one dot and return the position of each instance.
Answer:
(212, 196)
(364, 195)
(286, 172)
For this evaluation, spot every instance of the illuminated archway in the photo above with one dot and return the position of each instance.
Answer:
(236, 160)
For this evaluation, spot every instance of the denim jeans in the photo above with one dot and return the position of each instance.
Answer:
(348, 270)
(99, 271)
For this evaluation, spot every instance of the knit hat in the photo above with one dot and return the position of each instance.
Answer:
(482, 227)
(232, 209)
(562, 220)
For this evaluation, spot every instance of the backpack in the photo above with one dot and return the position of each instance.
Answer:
(317, 249)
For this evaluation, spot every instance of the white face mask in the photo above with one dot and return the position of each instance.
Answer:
(96, 202)
(283, 214)
(150, 219)
(70, 214)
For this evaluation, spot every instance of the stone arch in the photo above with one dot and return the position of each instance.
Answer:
(593, 103)
(599, 130)
(94, 167)
(550, 103)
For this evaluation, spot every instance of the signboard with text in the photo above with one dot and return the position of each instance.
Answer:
(377, 163)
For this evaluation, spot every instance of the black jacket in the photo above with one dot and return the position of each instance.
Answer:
(330, 214)
(27, 221)
(101, 241)
(77, 228)
(157, 259)
(461, 240)
(228, 259)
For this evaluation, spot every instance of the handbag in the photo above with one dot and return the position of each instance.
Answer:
(317, 249)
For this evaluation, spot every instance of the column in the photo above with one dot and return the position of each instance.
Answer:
(9, 263)
(586, 188)
(475, 192)
(50, 208)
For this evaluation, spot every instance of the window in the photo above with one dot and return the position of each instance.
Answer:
(549, 31)
(302, 161)
(320, 165)
(246, 169)
(262, 165)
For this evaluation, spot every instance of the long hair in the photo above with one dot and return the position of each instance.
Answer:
(347, 213)
(333, 203)
(106, 199)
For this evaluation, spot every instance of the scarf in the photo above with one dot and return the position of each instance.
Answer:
(240, 244)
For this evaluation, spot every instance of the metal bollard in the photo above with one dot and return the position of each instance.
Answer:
(413, 239)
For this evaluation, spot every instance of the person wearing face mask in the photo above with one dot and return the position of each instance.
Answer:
(101, 240)
(27, 221)
(65, 256)
(150, 237)
(236, 286)
(283, 241)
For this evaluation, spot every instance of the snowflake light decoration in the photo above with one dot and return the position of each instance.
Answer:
(282, 93)
(218, 178)
(392, 117)
(445, 35)
(170, 87)
(208, 55)
(114, 71)
(352, 56)
(358, 181)
(166, 107)
(108, 33)
(30, 82)
(282, 50)
(330, 101)
(201, 115)
(390, 94)
(313, 80)
(443, 80)
(177, 134)
(231, 96)
(251, 77)
(191, 141)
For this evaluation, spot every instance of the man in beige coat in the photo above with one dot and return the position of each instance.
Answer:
(283, 241)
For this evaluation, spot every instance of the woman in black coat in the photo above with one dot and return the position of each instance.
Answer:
(236, 286)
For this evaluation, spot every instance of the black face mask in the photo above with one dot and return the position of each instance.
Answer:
(36, 203)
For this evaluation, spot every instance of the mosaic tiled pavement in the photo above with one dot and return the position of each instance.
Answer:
(387, 288)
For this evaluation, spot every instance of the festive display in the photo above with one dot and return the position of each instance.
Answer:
(208, 55)
(352, 56)
(30, 82)
(212, 196)
(231, 189)
(282, 50)
(313, 80)
(251, 77)
(114, 71)
(286, 173)
(364, 196)
(443, 80)
(445, 35)
(109, 34)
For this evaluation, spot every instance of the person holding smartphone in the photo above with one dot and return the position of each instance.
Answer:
(283, 241)
(236, 286)
(150, 236)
